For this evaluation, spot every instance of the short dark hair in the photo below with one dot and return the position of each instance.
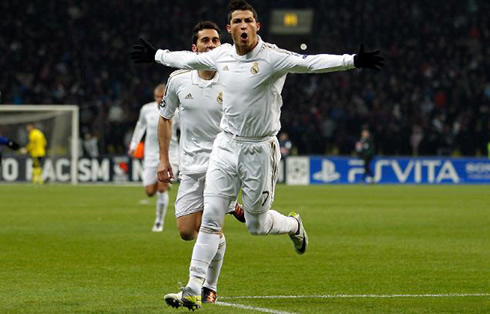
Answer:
(241, 5)
(204, 25)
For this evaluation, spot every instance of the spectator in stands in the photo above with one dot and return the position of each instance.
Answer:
(365, 150)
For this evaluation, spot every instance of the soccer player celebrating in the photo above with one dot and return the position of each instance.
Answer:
(36, 147)
(246, 153)
(148, 123)
(199, 96)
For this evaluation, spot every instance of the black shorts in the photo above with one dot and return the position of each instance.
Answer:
(37, 162)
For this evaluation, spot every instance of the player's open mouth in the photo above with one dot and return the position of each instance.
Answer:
(244, 36)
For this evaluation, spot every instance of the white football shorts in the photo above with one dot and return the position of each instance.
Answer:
(252, 164)
(190, 197)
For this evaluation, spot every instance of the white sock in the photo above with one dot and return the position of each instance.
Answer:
(215, 266)
(162, 205)
(282, 224)
(203, 253)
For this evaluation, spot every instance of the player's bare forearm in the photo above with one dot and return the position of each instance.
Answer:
(164, 137)
(164, 171)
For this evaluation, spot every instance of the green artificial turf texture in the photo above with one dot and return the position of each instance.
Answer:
(90, 249)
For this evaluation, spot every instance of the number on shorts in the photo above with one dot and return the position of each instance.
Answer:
(266, 197)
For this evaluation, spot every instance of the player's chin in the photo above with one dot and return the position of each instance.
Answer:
(243, 42)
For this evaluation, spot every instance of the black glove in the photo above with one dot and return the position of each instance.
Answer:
(144, 53)
(368, 60)
(13, 145)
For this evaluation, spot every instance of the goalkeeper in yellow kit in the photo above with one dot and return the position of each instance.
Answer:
(37, 149)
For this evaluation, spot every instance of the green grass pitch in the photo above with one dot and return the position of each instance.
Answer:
(90, 249)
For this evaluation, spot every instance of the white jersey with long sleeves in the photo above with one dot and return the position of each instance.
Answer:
(199, 102)
(252, 84)
(148, 123)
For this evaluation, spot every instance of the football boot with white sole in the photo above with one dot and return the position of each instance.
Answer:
(300, 239)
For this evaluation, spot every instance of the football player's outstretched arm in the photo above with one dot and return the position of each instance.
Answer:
(146, 53)
(287, 61)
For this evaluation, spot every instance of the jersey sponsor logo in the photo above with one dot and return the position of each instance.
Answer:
(225, 68)
(255, 68)
(219, 99)
(163, 103)
(189, 96)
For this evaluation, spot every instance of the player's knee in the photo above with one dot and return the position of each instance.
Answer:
(213, 215)
(257, 224)
(211, 223)
(188, 235)
(187, 231)
(150, 190)
(255, 228)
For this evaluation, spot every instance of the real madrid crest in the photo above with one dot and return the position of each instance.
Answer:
(255, 68)
(219, 99)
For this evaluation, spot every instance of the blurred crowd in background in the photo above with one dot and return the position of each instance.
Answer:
(431, 98)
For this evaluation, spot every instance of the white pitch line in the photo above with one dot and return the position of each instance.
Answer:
(334, 296)
(253, 308)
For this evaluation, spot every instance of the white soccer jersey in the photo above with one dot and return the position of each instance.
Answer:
(199, 102)
(148, 123)
(252, 83)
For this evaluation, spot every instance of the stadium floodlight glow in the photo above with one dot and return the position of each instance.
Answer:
(291, 21)
(60, 124)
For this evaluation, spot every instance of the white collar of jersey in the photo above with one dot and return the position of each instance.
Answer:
(196, 80)
(252, 54)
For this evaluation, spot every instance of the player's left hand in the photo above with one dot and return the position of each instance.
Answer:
(165, 172)
(23, 150)
(368, 59)
(144, 53)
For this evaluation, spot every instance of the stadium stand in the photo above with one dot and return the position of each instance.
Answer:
(431, 98)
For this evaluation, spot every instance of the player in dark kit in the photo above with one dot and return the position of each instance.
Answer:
(365, 149)
(9, 143)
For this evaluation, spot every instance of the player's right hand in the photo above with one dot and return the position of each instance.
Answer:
(144, 53)
(132, 153)
(368, 59)
(165, 172)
